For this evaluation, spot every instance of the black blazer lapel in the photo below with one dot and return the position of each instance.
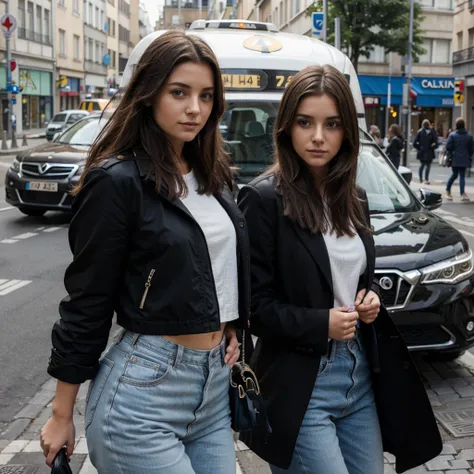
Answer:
(370, 255)
(316, 247)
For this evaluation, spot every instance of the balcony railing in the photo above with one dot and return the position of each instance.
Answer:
(34, 36)
(463, 55)
(96, 68)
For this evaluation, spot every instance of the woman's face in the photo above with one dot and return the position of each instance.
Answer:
(317, 132)
(185, 103)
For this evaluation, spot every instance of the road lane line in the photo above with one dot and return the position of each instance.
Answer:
(26, 235)
(41, 228)
(3, 281)
(8, 241)
(456, 220)
(8, 284)
(6, 208)
(51, 229)
(17, 286)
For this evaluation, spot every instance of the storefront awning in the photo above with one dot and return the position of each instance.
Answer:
(425, 91)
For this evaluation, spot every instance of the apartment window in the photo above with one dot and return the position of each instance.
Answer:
(22, 14)
(97, 52)
(91, 50)
(39, 23)
(296, 6)
(61, 3)
(46, 25)
(102, 22)
(113, 27)
(281, 13)
(376, 56)
(428, 47)
(91, 14)
(438, 51)
(75, 6)
(459, 38)
(114, 59)
(62, 43)
(76, 47)
(31, 17)
(124, 34)
(97, 23)
(441, 4)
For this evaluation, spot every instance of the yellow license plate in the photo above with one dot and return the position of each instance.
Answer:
(42, 186)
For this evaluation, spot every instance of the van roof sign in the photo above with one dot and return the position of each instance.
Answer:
(233, 25)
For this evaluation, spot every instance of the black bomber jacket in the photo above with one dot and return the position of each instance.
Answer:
(142, 255)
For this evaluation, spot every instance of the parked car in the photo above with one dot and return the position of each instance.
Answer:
(63, 120)
(424, 265)
(40, 179)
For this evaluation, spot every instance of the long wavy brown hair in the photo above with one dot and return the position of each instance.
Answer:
(303, 201)
(132, 124)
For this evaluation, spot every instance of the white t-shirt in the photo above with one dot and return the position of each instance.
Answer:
(222, 244)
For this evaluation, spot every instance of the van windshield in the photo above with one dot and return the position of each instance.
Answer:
(247, 128)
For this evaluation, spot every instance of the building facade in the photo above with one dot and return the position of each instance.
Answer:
(95, 48)
(112, 59)
(186, 12)
(69, 33)
(33, 53)
(463, 56)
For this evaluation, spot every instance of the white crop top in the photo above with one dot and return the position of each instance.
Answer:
(222, 244)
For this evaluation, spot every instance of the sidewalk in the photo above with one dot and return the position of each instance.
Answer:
(450, 387)
(34, 137)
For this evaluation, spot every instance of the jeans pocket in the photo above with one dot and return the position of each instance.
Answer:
(96, 388)
(324, 365)
(144, 372)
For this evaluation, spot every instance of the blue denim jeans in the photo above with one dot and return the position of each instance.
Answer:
(427, 167)
(461, 172)
(156, 407)
(340, 433)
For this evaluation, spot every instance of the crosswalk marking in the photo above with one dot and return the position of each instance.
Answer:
(26, 235)
(51, 229)
(9, 241)
(8, 286)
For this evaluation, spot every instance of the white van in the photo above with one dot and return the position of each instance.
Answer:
(257, 63)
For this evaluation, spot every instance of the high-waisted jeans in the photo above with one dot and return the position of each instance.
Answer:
(340, 433)
(156, 407)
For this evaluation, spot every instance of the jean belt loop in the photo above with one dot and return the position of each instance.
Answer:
(179, 355)
(135, 338)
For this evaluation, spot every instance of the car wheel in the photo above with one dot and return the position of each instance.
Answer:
(445, 356)
(32, 212)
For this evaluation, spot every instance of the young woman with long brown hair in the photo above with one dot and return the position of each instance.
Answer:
(337, 379)
(157, 238)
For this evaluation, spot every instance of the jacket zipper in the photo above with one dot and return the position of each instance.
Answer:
(147, 287)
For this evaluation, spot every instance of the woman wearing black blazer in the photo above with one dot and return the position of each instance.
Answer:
(338, 382)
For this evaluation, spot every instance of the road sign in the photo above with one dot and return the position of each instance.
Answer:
(317, 21)
(13, 100)
(8, 23)
(458, 91)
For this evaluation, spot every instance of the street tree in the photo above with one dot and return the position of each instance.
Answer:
(369, 23)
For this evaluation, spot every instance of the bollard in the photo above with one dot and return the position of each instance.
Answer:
(24, 142)
(14, 143)
(4, 140)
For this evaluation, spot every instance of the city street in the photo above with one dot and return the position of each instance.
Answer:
(34, 253)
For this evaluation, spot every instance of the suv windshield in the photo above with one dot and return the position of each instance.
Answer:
(59, 118)
(247, 128)
(82, 133)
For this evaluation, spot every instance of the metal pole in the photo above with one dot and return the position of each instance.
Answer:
(9, 81)
(337, 33)
(389, 92)
(53, 82)
(179, 12)
(325, 13)
(408, 84)
(200, 8)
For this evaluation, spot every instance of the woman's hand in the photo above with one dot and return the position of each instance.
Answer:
(232, 351)
(369, 309)
(56, 433)
(342, 324)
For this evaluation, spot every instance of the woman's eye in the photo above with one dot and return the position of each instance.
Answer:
(207, 96)
(178, 93)
(303, 123)
(334, 124)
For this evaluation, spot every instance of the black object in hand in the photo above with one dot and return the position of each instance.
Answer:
(60, 463)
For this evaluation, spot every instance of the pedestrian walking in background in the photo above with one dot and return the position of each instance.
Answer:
(337, 378)
(395, 145)
(425, 142)
(460, 145)
(157, 238)
(374, 132)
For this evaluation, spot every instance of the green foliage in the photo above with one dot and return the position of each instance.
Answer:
(369, 23)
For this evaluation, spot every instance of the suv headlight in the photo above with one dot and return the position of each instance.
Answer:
(15, 166)
(449, 271)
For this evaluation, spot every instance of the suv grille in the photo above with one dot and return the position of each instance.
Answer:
(48, 170)
(398, 285)
(424, 336)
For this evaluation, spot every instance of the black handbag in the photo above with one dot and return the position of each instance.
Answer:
(246, 402)
(61, 464)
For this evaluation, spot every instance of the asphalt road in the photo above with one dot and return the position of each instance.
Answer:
(34, 254)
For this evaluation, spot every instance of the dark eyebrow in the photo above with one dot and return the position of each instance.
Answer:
(333, 117)
(185, 86)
